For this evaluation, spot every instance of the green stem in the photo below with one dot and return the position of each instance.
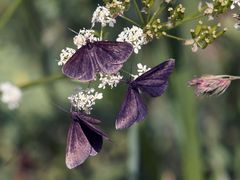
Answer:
(156, 13)
(229, 77)
(138, 11)
(128, 73)
(193, 16)
(101, 33)
(42, 80)
(173, 37)
(190, 18)
(133, 153)
(129, 20)
(9, 13)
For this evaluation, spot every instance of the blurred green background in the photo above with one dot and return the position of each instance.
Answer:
(183, 136)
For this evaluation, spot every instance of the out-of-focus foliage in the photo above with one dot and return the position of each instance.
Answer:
(183, 136)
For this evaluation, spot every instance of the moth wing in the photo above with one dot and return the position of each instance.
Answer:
(81, 65)
(78, 147)
(91, 122)
(110, 56)
(155, 81)
(132, 110)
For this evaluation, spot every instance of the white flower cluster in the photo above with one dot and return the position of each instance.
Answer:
(141, 70)
(237, 25)
(83, 36)
(85, 99)
(65, 55)
(209, 10)
(134, 36)
(193, 43)
(115, 4)
(109, 79)
(103, 16)
(167, 1)
(235, 2)
(10, 94)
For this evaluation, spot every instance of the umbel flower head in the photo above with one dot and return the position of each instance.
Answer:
(210, 85)
(103, 16)
(237, 25)
(10, 95)
(111, 80)
(85, 99)
(134, 36)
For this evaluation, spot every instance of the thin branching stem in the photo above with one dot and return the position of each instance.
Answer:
(129, 20)
(42, 80)
(191, 17)
(229, 77)
(156, 13)
(9, 13)
(173, 37)
(138, 11)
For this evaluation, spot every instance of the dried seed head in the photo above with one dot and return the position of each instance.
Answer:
(210, 85)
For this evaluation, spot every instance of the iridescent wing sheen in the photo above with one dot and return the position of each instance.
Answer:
(110, 56)
(81, 65)
(132, 110)
(78, 147)
(155, 81)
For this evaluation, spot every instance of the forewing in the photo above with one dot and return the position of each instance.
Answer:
(132, 110)
(155, 81)
(78, 148)
(81, 65)
(110, 56)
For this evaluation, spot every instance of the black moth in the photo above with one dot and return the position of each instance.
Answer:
(83, 139)
(153, 82)
(100, 56)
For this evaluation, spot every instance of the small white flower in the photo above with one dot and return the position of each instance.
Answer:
(167, 1)
(65, 55)
(193, 43)
(134, 36)
(85, 99)
(200, 6)
(109, 79)
(209, 9)
(237, 26)
(10, 94)
(236, 16)
(235, 2)
(115, 4)
(103, 16)
(83, 36)
(141, 70)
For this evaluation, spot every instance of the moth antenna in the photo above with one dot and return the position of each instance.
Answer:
(72, 30)
(60, 107)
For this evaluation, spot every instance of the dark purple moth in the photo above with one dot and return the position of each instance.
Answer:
(153, 82)
(100, 56)
(83, 139)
